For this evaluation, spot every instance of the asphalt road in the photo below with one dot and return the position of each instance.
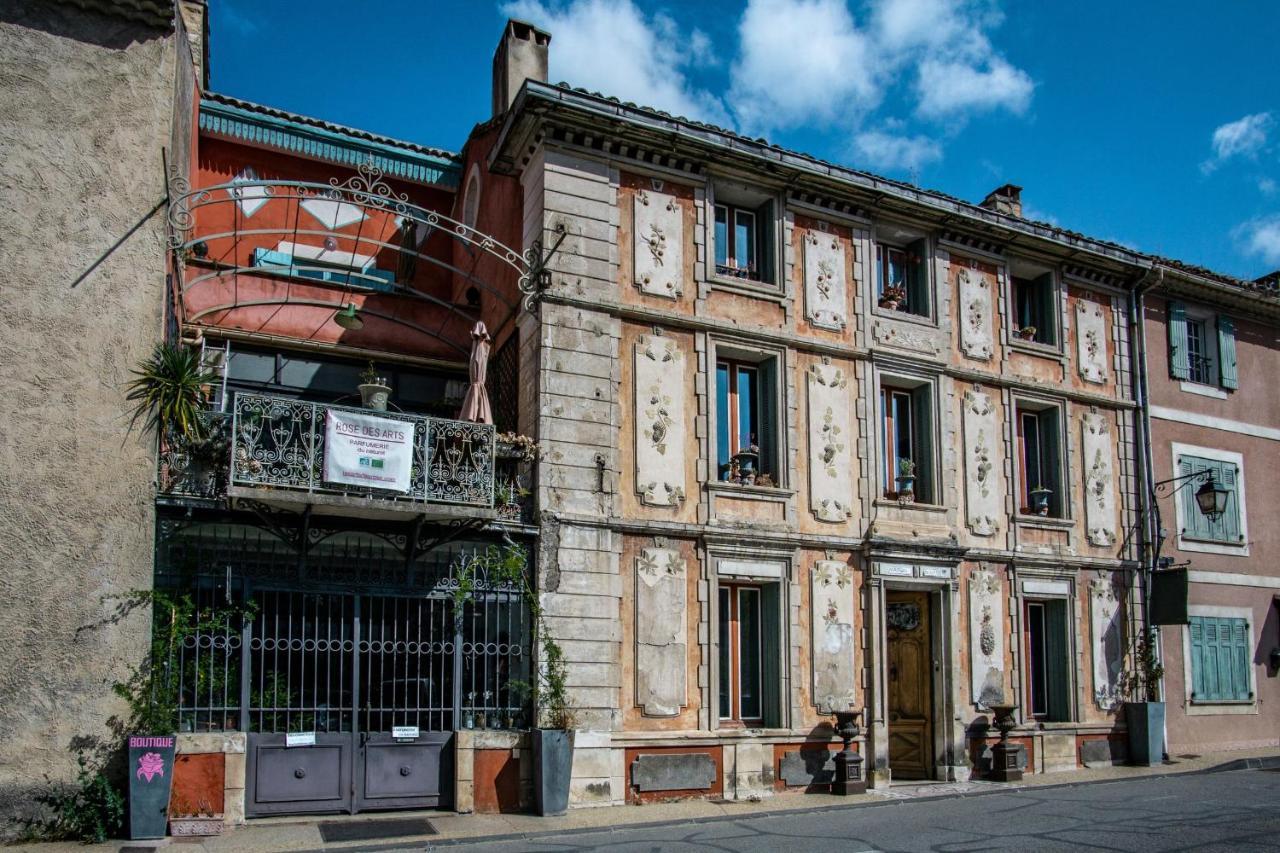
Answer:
(1237, 811)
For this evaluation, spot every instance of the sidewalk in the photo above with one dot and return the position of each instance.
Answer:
(303, 834)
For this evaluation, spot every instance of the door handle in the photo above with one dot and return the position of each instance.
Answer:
(404, 770)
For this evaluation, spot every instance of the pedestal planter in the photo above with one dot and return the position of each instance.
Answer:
(1007, 758)
(374, 396)
(552, 769)
(150, 779)
(1146, 732)
(849, 778)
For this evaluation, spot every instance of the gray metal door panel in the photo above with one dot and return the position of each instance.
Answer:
(404, 773)
(289, 780)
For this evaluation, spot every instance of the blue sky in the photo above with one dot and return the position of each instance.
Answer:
(1156, 125)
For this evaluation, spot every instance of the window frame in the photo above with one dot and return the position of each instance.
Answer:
(922, 286)
(770, 366)
(1051, 304)
(764, 207)
(1184, 500)
(1045, 671)
(921, 393)
(735, 591)
(1209, 707)
(1059, 480)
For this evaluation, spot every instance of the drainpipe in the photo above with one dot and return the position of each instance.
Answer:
(1151, 538)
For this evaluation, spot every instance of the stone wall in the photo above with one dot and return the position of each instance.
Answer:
(85, 109)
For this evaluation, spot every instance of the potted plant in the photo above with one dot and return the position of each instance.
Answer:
(1143, 712)
(892, 297)
(170, 392)
(188, 822)
(1026, 333)
(906, 480)
(374, 390)
(1040, 500)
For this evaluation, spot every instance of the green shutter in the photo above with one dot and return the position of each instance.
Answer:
(1227, 352)
(1051, 453)
(1228, 528)
(1220, 659)
(771, 646)
(1240, 659)
(1046, 330)
(1179, 362)
(765, 240)
(1057, 662)
(923, 413)
(918, 277)
(1197, 629)
(771, 461)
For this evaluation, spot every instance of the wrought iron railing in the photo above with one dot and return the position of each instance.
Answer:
(279, 443)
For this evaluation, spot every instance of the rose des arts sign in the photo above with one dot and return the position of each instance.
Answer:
(363, 450)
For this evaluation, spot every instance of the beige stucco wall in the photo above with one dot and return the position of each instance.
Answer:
(85, 108)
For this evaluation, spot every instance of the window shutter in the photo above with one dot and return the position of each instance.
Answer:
(1197, 629)
(924, 446)
(878, 263)
(1194, 524)
(771, 461)
(1227, 352)
(1240, 658)
(1051, 453)
(1229, 526)
(771, 687)
(722, 416)
(767, 245)
(918, 278)
(1057, 661)
(1179, 363)
(1046, 332)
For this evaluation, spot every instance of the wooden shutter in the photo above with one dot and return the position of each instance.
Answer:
(1046, 331)
(1057, 662)
(1227, 352)
(1237, 643)
(1229, 527)
(923, 440)
(1199, 690)
(771, 458)
(771, 687)
(766, 244)
(1179, 362)
(1220, 659)
(1051, 461)
(918, 277)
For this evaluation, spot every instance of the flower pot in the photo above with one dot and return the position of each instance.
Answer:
(1040, 501)
(194, 827)
(552, 769)
(907, 488)
(1027, 334)
(1146, 732)
(374, 395)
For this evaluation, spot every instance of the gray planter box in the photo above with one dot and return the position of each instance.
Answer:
(1146, 732)
(552, 769)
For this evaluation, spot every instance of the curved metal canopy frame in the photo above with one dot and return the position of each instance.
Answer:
(368, 191)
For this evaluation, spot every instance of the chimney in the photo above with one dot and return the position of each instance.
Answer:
(521, 55)
(1006, 199)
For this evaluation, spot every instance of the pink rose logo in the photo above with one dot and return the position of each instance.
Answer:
(150, 765)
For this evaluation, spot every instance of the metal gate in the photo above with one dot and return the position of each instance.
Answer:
(350, 700)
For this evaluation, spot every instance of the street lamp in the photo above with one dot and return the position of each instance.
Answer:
(1212, 498)
(348, 317)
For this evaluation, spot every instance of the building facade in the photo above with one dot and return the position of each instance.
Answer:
(1211, 356)
(816, 441)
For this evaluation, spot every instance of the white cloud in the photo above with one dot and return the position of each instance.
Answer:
(880, 150)
(610, 46)
(1261, 237)
(948, 88)
(1266, 186)
(800, 61)
(1243, 137)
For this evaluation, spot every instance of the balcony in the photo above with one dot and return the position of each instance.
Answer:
(272, 450)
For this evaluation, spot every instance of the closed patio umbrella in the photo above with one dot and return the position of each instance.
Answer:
(475, 407)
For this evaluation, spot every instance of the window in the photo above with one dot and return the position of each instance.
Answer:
(1035, 309)
(1202, 348)
(902, 277)
(746, 434)
(1040, 455)
(743, 236)
(907, 468)
(749, 642)
(1047, 668)
(345, 268)
(1193, 524)
(1220, 659)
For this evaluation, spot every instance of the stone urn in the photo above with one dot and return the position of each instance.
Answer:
(1007, 759)
(849, 778)
(374, 395)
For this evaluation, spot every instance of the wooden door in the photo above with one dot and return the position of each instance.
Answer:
(910, 690)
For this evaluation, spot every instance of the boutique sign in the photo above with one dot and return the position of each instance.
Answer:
(363, 450)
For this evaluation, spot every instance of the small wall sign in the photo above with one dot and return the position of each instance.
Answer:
(150, 777)
(405, 732)
(300, 739)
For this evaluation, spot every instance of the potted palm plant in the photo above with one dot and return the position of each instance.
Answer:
(906, 480)
(1143, 710)
(374, 390)
(170, 392)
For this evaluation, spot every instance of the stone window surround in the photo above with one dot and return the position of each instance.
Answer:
(1021, 575)
(741, 350)
(907, 235)
(1024, 268)
(1183, 495)
(907, 380)
(1217, 707)
(779, 288)
(1037, 403)
(788, 602)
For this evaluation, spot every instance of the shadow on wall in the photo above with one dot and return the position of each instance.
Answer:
(73, 22)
